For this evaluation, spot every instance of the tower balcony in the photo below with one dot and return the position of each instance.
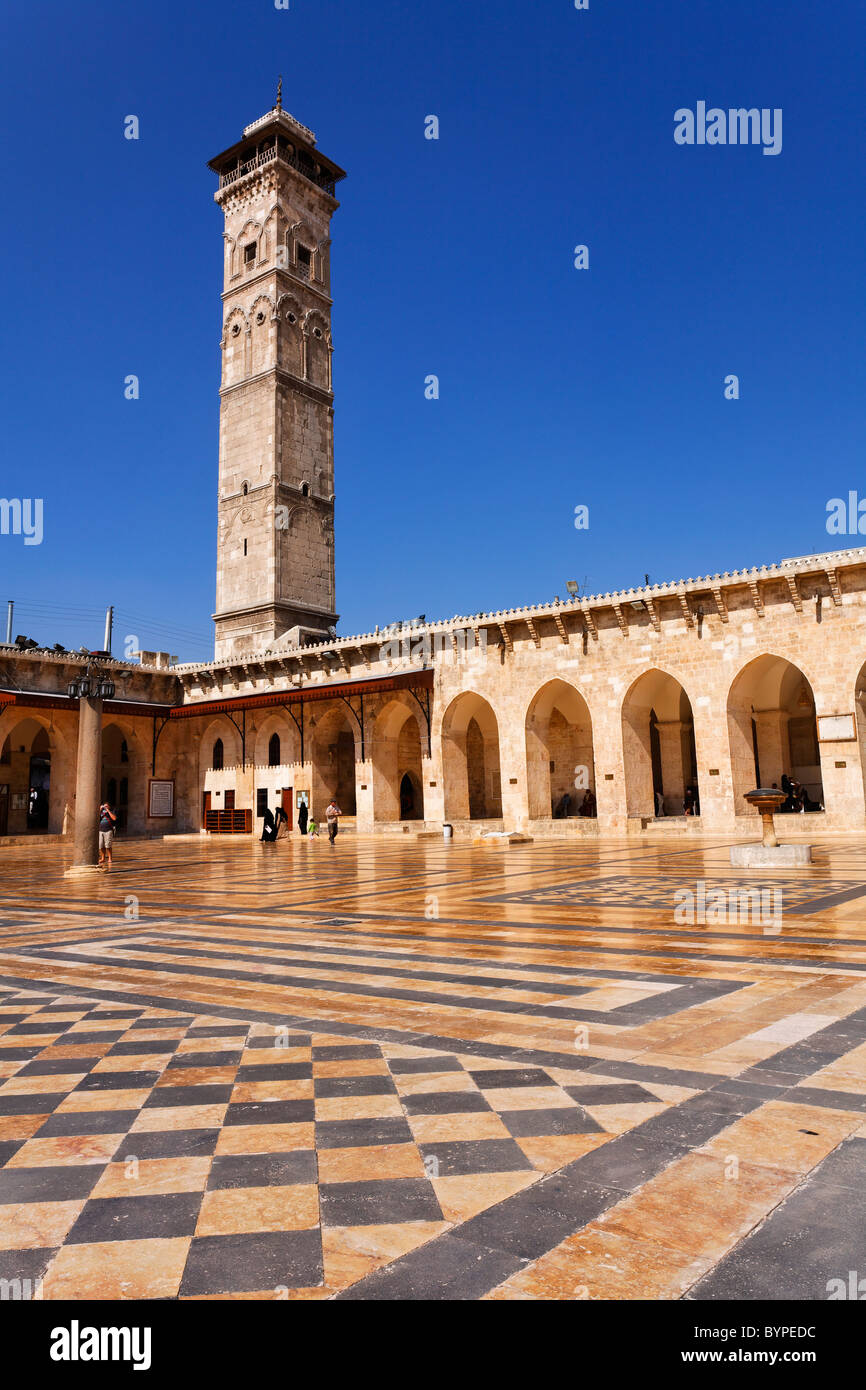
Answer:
(280, 152)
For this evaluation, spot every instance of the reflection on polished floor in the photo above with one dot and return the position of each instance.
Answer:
(403, 1069)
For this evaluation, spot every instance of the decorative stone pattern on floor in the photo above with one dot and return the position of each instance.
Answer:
(287, 1080)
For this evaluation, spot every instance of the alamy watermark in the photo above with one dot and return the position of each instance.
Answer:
(706, 906)
(854, 1288)
(400, 645)
(77, 1343)
(846, 516)
(736, 126)
(22, 516)
(20, 1290)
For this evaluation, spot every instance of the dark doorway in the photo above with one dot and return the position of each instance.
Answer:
(408, 810)
(656, 757)
(40, 785)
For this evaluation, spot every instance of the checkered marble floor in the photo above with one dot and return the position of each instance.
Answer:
(403, 1071)
(152, 1154)
(658, 892)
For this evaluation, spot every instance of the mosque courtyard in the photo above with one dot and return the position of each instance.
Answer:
(406, 1069)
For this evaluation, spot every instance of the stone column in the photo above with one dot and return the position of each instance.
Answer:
(670, 732)
(88, 786)
(714, 750)
(617, 744)
(774, 753)
(434, 799)
(364, 815)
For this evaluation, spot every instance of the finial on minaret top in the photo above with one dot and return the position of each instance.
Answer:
(280, 93)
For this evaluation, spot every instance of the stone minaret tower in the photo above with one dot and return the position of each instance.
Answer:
(275, 550)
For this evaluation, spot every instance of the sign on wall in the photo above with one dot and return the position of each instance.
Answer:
(836, 728)
(160, 798)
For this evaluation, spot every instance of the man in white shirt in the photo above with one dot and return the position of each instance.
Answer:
(332, 816)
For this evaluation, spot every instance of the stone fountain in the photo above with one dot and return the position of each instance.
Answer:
(769, 853)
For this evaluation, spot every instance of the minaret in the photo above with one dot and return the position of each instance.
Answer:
(275, 549)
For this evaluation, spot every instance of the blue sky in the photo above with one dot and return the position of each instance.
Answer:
(559, 387)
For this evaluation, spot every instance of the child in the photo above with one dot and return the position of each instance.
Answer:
(312, 827)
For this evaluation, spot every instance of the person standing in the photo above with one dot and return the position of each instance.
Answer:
(332, 816)
(107, 822)
(303, 817)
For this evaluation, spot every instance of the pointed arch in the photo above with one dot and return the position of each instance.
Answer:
(276, 725)
(659, 748)
(261, 333)
(333, 752)
(34, 756)
(470, 759)
(773, 730)
(396, 743)
(559, 752)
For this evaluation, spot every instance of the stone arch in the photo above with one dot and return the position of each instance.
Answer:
(318, 344)
(234, 346)
(470, 759)
(290, 318)
(397, 753)
(261, 356)
(332, 735)
(236, 313)
(323, 258)
(219, 728)
(658, 744)
(123, 769)
(232, 259)
(33, 764)
(773, 729)
(274, 229)
(302, 234)
(559, 752)
(282, 725)
(249, 232)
